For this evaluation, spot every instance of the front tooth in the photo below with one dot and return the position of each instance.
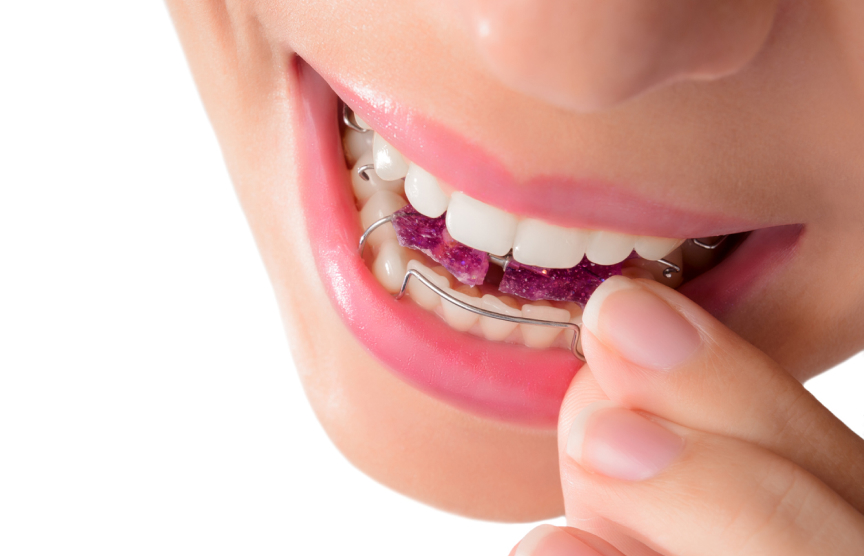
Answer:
(479, 225)
(457, 317)
(540, 244)
(423, 191)
(537, 336)
(389, 163)
(608, 248)
(418, 291)
(655, 248)
(496, 329)
(363, 189)
(390, 265)
(381, 204)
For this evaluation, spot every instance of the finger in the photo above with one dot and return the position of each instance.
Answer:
(653, 349)
(548, 540)
(681, 491)
(582, 392)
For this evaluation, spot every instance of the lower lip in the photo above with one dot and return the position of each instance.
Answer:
(506, 382)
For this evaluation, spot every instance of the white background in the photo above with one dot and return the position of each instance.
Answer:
(148, 402)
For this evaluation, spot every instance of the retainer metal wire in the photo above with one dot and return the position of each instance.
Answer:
(575, 344)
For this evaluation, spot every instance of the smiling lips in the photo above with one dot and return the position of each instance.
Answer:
(513, 377)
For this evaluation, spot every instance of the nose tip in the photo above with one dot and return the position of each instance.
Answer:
(590, 55)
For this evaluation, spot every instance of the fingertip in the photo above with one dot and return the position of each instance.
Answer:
(591, 314)
(640, 326)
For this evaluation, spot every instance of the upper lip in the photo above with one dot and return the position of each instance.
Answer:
(590, 202)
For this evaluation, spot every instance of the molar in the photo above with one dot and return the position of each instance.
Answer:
(424, 193)
(389, 163)
(540, 244)
(479, 225)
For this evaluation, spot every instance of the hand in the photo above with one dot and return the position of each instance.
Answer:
(680, 438)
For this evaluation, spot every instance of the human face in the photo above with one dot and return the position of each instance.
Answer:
(645, 118)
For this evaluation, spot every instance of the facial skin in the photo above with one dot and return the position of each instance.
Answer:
(753, 109)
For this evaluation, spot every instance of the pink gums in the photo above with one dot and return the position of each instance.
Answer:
(507, 382)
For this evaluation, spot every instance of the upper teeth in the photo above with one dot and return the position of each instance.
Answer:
(540, 244)
(425, 194)
(490, 229)
(389, 163)
(479, 225)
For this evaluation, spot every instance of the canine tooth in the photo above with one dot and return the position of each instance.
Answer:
(423, 191)
(457, 317)
(540, 244)
(356, 144)
(537, 336)
(389, 163)
(654, 248)
(390, 265)
(479, 225)
(381, 204)
(497, 329)
(607, 248)
(363, 189)
(418, 291)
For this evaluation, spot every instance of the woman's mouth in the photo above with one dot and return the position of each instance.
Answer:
(479, 254)
(538, 262)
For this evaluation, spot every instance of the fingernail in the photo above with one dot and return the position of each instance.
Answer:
(548, 540)
(621, 444)
(639, 325)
